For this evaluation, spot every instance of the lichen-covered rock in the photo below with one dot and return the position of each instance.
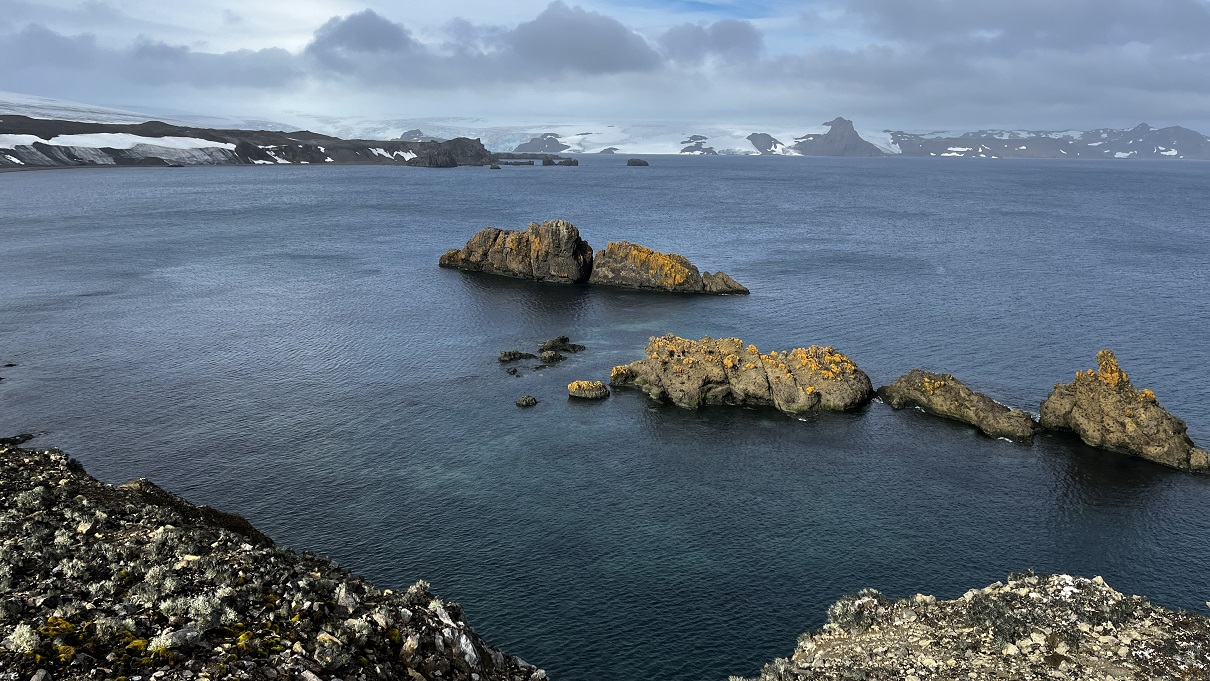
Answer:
(588, 390)
(106, 582)
(724, 371)
(551, 251)
(1107, 411)
(1034, 628)
(944, 395)
(628, 265)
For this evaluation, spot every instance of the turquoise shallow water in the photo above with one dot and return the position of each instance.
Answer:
(280, 342)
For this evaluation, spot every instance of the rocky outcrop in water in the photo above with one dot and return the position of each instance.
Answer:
(723, 371)
(588, 390)
(105, 582)
(944, 395)
(551, 251)
(1107, 411)
(1033, 628)
(633, 266)
(526, 401)
(637, 162)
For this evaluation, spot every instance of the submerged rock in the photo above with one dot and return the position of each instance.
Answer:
(1107, 411)
(588, 390)
(105, 582)
(551, 251)
(692, 374)
(628, 265)
(1034, 628)
(944, 395)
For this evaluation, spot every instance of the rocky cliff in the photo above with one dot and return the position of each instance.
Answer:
(105, 582)
(1106, 410)
(946, 396)
(724, 371)
(1032, 628)
(629, 265)
(551, 251)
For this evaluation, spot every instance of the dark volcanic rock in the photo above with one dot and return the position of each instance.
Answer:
(551, 356)
(587, 390)
(547, 143)
(944, 395)
(526, 401)
(1107, 411)
(551, 251)
(561, 344)
(105, 582)
(766, 143)
(514, 355)
(721, 283)
(841, 140)
(723, 371)
(1034, 628)
(628, 265)
(609, 150)
(637, 162)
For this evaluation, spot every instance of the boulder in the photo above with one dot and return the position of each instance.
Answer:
(637, 162)
(514, 355)
(724, 371)
(588, 390)
(1107, 411)
(551, 251)
(628, 265)
(944, 395)
(561, 344)
(526, 401)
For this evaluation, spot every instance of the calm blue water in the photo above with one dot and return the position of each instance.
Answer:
(280, 342)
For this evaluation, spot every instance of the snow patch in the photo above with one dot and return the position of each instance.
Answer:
(122, 140)
(14, 141)
(1168, 152)
(959, 149)
(1123, 154)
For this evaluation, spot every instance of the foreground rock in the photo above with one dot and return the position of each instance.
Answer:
(723, 371)
(944, 395)
(633, 266)
(1034, 627)
(551, 251)
(588, 390)
(1107, 411)
(104, 582)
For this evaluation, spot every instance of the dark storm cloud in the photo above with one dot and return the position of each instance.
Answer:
(155, 63)
(573, 39)
(732, 40)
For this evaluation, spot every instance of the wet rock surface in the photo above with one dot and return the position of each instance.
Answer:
(108, 582)
(1105, 410)
(628, 265)
(588, 390)
(1033, 627)
(946, 396)
(551, 251)
(724, 371)
(526, 401)
(515, 355)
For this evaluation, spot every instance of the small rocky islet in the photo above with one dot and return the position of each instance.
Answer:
(553, 252)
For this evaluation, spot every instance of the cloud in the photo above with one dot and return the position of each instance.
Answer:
(732, 40)
(572, 39)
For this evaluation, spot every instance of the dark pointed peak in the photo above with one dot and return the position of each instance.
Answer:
(839, 123)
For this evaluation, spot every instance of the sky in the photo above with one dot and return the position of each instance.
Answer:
(900, 64)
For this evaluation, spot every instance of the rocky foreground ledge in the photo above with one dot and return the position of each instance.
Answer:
(119, 582)
(1034, 627)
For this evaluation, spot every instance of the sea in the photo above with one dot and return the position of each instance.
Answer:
(280, 342)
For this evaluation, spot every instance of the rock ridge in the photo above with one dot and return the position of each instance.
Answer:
(105, 582)
(551, 251)
(946, 396)
(628, 265)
